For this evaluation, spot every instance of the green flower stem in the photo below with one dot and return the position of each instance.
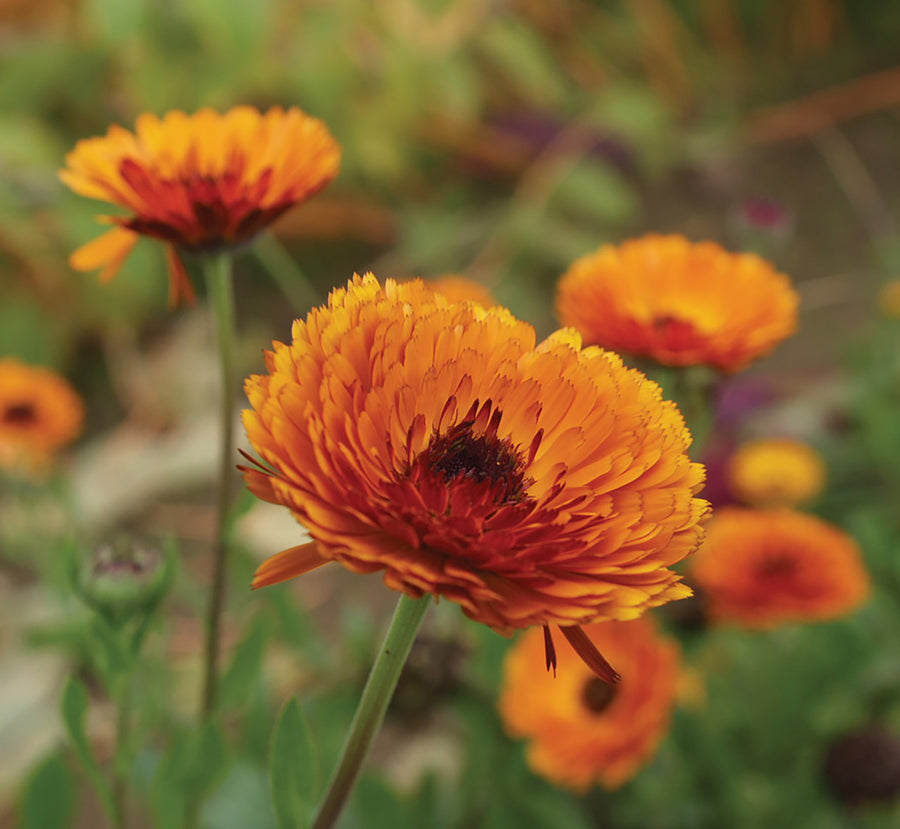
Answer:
(285, 272)
(122, 757)
(372, 706)
(217, 269)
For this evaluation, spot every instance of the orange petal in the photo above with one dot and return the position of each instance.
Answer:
(588, 652)
(107, 251)
(287, 564)
(180, 286)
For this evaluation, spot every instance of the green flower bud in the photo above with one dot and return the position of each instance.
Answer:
(125, 578)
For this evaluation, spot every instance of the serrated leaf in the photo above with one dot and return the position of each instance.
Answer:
(49, 796)
(242, 674)
(292, 767)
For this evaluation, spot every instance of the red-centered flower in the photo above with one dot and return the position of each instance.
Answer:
(39, 414)
(678, 303)
(761, 568)
(580, 730)
(198, 182)
(436, 442)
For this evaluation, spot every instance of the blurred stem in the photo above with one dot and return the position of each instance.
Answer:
(285, 272)
(692, 389)
(373, 704)
(217, 269)
(122, 755)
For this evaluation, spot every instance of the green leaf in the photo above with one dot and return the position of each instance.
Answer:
(292, 767)
(243, 673)
(74, 710)
(49, 796)
(189, 769)
(598, 192)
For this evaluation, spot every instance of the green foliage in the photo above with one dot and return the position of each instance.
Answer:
(48, 798)
(241, 677)
(193, 764)
(74, 710)
(292, 768)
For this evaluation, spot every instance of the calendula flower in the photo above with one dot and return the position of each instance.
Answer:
(198, 182)
(678, 303)
(762, 568)
(775, 472)
(582, 731)
(436, 442)
(462, 289)
(39, 414)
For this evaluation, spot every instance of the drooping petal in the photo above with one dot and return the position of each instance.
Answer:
(288, 564)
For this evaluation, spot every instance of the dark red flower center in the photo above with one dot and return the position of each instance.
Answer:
(19, 414)
(776, 566)
(597, 695)
(673, 332)
(460, 454)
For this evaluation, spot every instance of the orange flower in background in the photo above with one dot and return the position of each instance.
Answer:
(462, 289)
(762, 568)
(678, 303)
(198, 182)
(775, 472)
(39, 414)
(582, 731)
(531, 484)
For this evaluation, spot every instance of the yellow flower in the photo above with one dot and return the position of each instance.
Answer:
(678, 303)
(198, 182)
(762, 568)
(436, 442)
(39, 414)
(582, 731)
(775, 472)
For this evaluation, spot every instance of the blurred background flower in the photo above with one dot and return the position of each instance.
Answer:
(582, 731)
(678, 303)
(774, 472)
(40, 413)
(762, 568)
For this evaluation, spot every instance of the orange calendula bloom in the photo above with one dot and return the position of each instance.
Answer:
(39, 414)
(438, 443)
(775, 472)
(582, 731)
(762, 568)
(678, 303)
(198, 182)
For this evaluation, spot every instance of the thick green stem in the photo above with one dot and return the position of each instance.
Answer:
(217, 268)
(372, 706)
(285, 272)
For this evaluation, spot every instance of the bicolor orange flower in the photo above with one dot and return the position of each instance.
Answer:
(436, 442)
(678, 303)
(582, 731)
(762, 568)
(775, 472)
(39, 414)
(198, 182)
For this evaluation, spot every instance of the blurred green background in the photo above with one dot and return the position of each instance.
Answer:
(499, 140)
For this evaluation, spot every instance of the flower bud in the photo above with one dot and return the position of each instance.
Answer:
(124, 578)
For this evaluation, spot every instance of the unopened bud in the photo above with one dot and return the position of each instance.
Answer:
(124, 578)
